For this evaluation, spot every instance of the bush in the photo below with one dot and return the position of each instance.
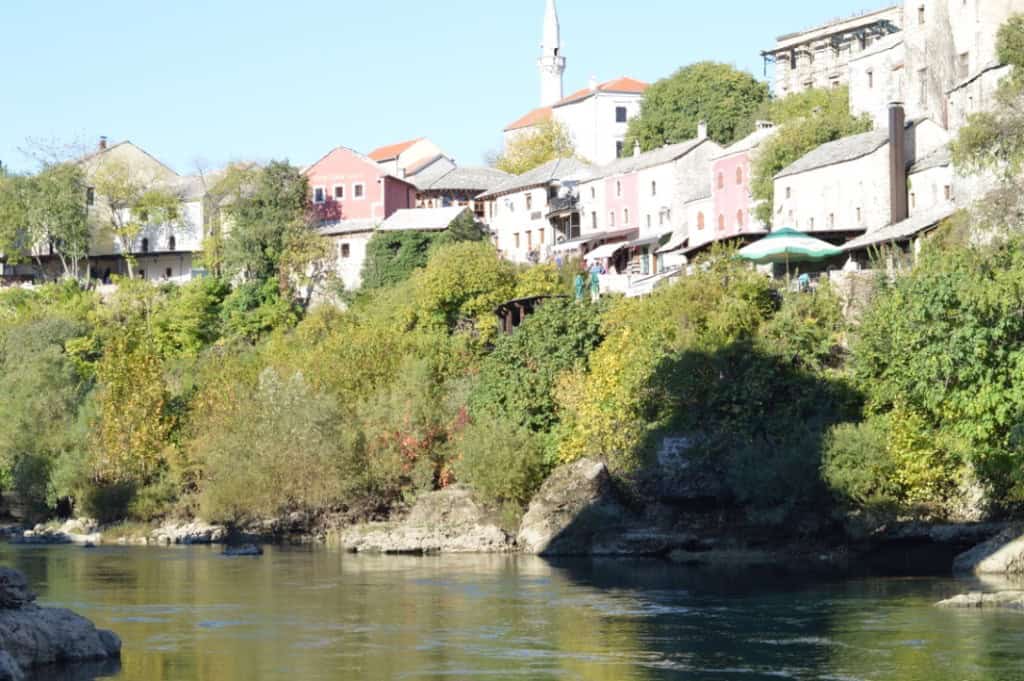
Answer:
(502, 461)
(857, 465)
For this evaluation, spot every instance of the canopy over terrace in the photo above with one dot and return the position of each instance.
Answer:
(786, 245)
(581, 243)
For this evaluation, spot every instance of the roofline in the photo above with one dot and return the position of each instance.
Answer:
(671, 159)
(101, 152)
(833, 22)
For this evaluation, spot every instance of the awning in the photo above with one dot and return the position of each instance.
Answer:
(678, 240)
(606, 251)
(575, 244)
(646, 241)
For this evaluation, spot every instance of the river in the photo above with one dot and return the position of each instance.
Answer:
(302, 614)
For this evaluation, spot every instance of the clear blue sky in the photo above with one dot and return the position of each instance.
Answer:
(224, 80)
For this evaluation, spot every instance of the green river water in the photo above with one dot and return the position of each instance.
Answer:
(298, 614)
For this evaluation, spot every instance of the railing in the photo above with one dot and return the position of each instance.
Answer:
(563, 203)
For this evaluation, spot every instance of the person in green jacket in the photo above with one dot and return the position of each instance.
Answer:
(595, 281)
(581, 286)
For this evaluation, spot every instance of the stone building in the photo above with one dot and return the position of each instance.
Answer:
(820, 57)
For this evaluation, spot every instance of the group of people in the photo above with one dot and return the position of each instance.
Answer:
(589, 277)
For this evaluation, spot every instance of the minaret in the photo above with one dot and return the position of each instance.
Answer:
(551, 63)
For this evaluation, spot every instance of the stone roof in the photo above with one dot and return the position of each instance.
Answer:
(427, 173)
(559, 170)
(347, 227)
(751, 141)
(840, 151)
(939, 158)
(422, 219)
(880, 45)
(478, 178)
(648, 159)
(902, 231)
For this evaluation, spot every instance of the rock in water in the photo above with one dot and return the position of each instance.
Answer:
(574, 506)
(1007, 600)
(243, 550)
(31, 636)
(1001, 555)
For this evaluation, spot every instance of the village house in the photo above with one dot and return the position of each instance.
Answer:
(534, 211)
(596, 117)
(398, 159)
(859, 184)
(347, 186)
(442, 184)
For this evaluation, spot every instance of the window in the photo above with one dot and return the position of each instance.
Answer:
(965, 64)
(618, 188)
(516, 237)
(318, 195)
(858, 215)
(721, 180)
(618, 149)
(913, 200)
(142, 274)
(810, 223)
(649, 222)
(145, 245)
(529, 241)
(90, 196)
(739, 219)
(540, 237)
(721, 222)
(172, 243)
(611, 219)
(593, 220)
(922, 93)
(871, 79)
(620, 114)
(339, 192)
(168, 273)
(700, 220)
(739, 175)
(593, 192)
(654, 188)
(529, 202)
(625, 217)
(948, 191)
(831, 220)
(358, 191)
(346, 251)
(920, 15)
(789, 192)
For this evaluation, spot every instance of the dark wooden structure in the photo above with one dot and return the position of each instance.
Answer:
(512, 314)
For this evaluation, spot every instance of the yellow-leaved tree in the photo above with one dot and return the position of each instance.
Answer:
(533, 148)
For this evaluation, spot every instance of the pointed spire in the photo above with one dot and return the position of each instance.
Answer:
(552, 44)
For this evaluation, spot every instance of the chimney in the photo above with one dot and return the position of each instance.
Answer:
(898, 207)
(702, 130)
(103, 143)
(636, 148)
(593, 83)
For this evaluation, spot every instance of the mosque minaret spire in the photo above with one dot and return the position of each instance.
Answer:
(551, 63)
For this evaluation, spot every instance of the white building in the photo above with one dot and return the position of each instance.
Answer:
(596, 117)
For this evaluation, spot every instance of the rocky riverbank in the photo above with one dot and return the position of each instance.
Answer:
(32, 636)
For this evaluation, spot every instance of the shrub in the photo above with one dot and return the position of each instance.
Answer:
(502, 461)
(857, 465)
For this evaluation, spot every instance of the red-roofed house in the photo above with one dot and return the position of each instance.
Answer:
(399, 158)
(348, 186)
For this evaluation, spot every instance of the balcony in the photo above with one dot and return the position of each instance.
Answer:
(561, 206)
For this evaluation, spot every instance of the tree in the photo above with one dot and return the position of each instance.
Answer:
(805, 121)
(132, 201)
(718, 94)
(46, 213)
(545, 142)
(271, 233)
(392, 257)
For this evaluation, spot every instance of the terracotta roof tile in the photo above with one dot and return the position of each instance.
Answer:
(622, 85)
(392, 151)
(531, 119)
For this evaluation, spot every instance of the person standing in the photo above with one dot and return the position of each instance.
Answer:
(581, 285)
(596, 270)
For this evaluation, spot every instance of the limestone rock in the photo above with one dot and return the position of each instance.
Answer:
(447, 521)
(1001, 555)
(31, 636)
(1006, 600)
(574, 506)
(14, 590)
(243, 550)
(195, 532)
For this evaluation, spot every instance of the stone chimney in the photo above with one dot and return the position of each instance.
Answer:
(103, 143)
(702, 130)
(898, 203)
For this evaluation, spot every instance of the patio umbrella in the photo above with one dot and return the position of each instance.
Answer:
(787, 245)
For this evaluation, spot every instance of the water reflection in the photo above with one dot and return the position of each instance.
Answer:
(302, 614)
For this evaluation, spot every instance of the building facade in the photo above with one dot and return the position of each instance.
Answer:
(400, 159)
(347, 186)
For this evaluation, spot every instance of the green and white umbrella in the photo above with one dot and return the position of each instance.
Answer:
(787, 245)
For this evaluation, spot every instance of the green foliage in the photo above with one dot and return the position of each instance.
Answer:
(392, 257)
(1010, 42)
(718, 94)
(857, 465)
(503, 462)
(809, 329)
(805, 121)
(942, 352)
(254, 309)
(517, 380)
(545, 142)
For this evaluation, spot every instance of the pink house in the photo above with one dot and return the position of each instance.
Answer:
(732, 204)
(348, 186)
(622, 201)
